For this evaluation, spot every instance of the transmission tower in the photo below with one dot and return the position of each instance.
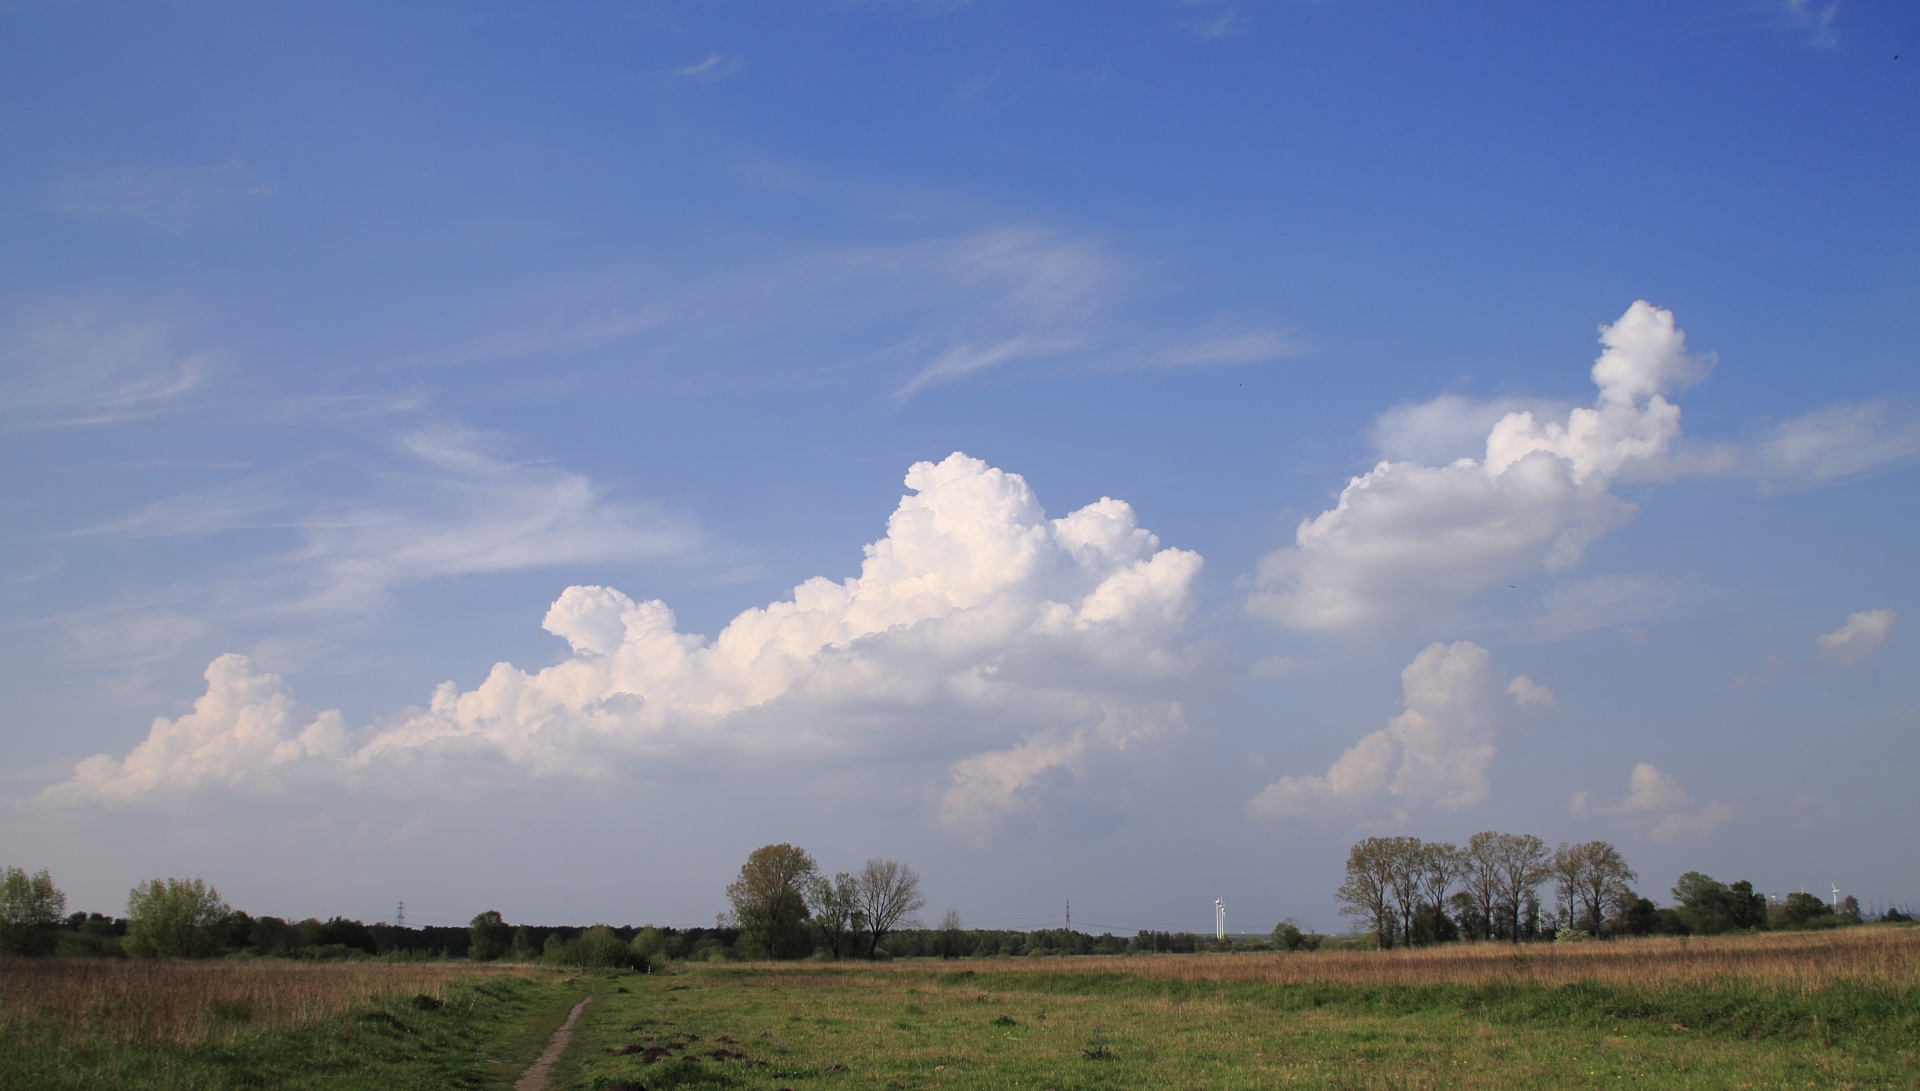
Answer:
(400, 916)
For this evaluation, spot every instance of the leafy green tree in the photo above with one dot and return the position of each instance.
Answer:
(649, 945)
(272, 936)
(1710, 907)
(1288, 937)
(526, 945)
(31, 910)
(889, 896)
(835, 907)
(174, 918)
(1802, 910)
(488, 936)
(770, 900)
(1368, 890)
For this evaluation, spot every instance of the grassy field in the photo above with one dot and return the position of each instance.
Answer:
(1827, 1010)
(1835, 1010)
(103, 1023)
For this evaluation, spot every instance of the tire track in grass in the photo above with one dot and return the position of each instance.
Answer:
(537, 1073)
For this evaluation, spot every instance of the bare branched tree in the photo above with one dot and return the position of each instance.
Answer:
(1591, 879)
(1405, 869)
(889, 895)
(1480, 878)
(1523, 867)
(1441, 866)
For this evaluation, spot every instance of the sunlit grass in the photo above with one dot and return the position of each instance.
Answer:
(1770, 1011)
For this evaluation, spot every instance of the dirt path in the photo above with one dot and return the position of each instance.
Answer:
(535, 1077)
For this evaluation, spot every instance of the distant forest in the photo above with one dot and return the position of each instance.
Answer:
(1403, 892)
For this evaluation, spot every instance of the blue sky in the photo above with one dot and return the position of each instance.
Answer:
(337, 345)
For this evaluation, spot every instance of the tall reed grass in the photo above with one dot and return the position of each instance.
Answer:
(1786, 961)
(154, 1002)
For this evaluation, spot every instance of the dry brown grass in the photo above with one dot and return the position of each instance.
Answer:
(146, 1002)
(1793, 961)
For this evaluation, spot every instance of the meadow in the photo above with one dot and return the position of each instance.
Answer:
(1830, 1010)
(1833, 1010)
(272, 1023)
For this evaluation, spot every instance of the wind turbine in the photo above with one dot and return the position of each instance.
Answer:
(1219, 919)
(1836, 896)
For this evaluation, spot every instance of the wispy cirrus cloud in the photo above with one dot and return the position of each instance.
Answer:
(1004, 304)
(169, 200)
(1217, 23)
(1834, 443)
(712, 67)
(441, 504)
(78, 366)
(1814, 19)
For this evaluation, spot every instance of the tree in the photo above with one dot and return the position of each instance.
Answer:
(1368, 891)
(1523, 867)
(770, 900)
(488, 936)
(1440, 866)
(835, 904)
(1480, 881)
(1591, 879)
(952, 935)
(1802, 908)
(174, 918)
(1405, 868)
(31, 910)
(1710, 907)
(889, 895)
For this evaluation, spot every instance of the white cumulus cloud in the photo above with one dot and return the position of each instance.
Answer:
(1853, 644)
(1003, 643)
(1408, 538)
(1435, 753)
(1657, 804)
(242, 732)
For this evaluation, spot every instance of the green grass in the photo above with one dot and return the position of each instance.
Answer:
(480, 1034)
(902, 1027)
(1257, 1021)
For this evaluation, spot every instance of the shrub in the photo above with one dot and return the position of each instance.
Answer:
(174, 918)
(598, 948)
(30, 913)
(490, 936)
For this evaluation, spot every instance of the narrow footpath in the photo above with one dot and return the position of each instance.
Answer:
(535, 1077)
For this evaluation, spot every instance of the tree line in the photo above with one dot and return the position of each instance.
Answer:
(1409, 892)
